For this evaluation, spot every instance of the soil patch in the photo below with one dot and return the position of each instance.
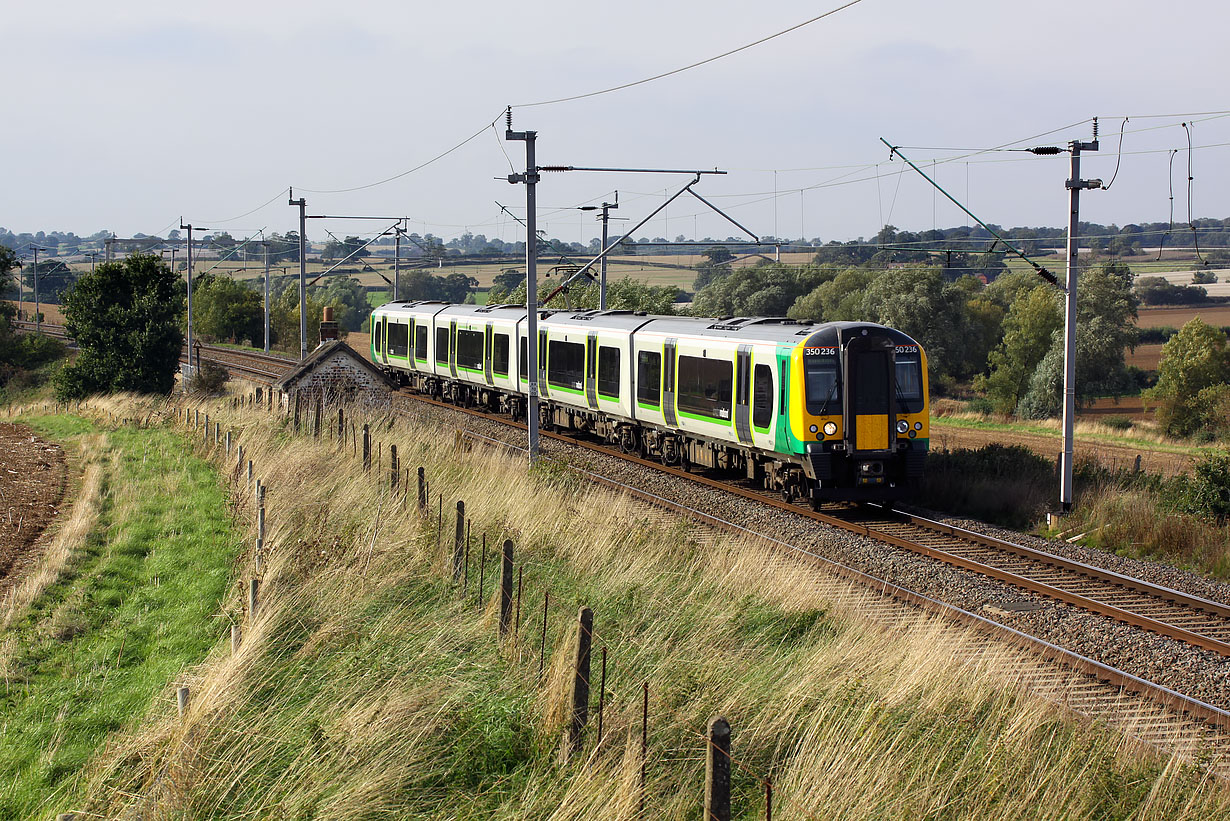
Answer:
(32, 480)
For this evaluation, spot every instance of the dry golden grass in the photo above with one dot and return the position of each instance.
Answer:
(367, 688)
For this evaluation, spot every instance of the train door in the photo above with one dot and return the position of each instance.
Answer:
(591, 369)
(452, 348)
(743, 392)
(869, 394)
(543, 388)
(668, 383)
(488, 354)
(377, 348)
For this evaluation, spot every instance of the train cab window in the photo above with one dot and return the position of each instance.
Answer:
(499, 354)
(399, 339)
(608, 371)
(649, 378)
(762, 396)
(705, 386)
(566, 365)
(441, 346)
(524, 367)
(909, 383)
(377, 337)
(821, 385)
(470, 350)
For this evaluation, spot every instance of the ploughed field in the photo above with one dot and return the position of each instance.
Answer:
(32, 481)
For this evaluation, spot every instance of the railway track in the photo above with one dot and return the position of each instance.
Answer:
(1154, 715)
(1191, 619)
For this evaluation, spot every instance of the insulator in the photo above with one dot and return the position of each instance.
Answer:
(1043, 150)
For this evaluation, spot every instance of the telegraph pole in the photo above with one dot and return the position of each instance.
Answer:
(189, 335)
(302, 203)
(1074, 184)
(266, 244)
(396, 262)
(530, 178)
(38, 324)
(607, 207)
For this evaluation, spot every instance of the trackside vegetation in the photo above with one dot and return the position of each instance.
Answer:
(370, 685)
(125, 599)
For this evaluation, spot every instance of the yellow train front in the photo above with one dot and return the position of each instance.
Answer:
(859, 414)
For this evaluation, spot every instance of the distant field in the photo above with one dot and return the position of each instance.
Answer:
(1218, 315)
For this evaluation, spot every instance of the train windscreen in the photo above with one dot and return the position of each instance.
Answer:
(821, 385)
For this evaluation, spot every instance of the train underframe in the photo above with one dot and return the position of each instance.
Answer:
(815, 477)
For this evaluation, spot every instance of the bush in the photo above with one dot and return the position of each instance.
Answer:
(1202, 277)
(209, 377)
(1156, 336)
(1117, 422)
(1205, 492)
(1005, 484)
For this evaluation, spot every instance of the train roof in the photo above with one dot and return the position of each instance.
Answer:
(750, 328)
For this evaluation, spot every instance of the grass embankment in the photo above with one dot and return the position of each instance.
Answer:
(369, 686)
(125, 598)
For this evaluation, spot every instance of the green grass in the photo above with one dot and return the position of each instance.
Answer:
(135, 606)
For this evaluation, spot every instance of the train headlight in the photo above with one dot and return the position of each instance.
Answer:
(918, 426)
(902, 426)
(830, 428)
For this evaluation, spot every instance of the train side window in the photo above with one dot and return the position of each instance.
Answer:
(470, 350)
(566, 362)
(649, 378)
(420, 342)
(399, 339)
(441, 346)
(499, 354)
(525, 358)
(762, 396)
(608, 371)
(705, 386)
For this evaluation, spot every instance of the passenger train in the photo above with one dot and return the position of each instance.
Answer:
(831, 411)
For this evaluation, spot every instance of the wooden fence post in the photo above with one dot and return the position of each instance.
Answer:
(506, 579)
(367, 447)
(580, 680)
(393, 469)
(235, 638)
(228, 443)
(459, 539)
(717, 771)
(341, 425)
(254, 589)
(422, 491)
(217, 432)
(296, 412)
(320, 415)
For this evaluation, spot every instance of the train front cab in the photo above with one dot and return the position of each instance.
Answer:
(859, 414)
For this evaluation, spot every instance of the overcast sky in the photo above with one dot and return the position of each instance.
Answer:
(125, 115)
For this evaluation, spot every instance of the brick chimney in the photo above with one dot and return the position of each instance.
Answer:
(328, 328)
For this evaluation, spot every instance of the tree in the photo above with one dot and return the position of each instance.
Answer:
(1029, 327)
(8, 261)
(763, 290)
(225, 309)
(1194, 365)
(54, 278)
(125, 317)
(715, 267)
(348, 300)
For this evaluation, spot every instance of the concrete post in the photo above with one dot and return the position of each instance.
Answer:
(717, 771)
(254, 588)
(228, 443)
(235, 638)
(580, 681)
(181, 700)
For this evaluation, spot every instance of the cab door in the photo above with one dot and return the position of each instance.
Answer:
(869, 394)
